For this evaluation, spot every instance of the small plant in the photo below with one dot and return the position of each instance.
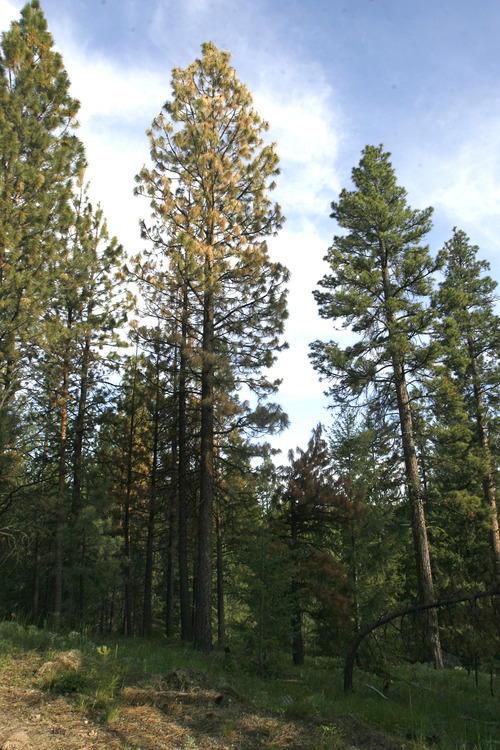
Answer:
(228, 727)
(330, 737)
(69, 682)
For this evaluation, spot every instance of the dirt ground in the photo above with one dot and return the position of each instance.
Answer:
(171, 712)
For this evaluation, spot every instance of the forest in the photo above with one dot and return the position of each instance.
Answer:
(139, 492)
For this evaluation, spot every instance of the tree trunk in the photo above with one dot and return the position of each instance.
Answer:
(36, 580)
(203, 612)
(182, 549)
(169, 587)
(221, 614)
(60, 496)
(419, 530)
(76, 498)
(488, 485)
(147, 623)
(297, 636)
(420, 542)
(127, 594)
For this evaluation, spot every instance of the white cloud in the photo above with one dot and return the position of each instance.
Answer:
(469, 183)
(8, 13)
(308, 132)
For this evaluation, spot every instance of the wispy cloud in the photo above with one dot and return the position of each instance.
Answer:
(8, 13)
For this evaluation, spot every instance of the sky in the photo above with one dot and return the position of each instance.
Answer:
(330, 76)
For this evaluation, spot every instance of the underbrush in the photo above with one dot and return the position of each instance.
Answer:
(444, 709)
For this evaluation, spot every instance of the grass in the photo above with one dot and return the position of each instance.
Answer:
(433, 709)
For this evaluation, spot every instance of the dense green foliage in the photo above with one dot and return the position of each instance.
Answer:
(135, 498)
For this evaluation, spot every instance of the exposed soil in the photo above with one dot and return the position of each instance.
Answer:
(171, 712)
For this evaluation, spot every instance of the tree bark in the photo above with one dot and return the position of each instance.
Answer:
(203, 613)
(297, 636)
(182, 547)
(488, 484)
(76, 498)
(169, 584)
(419, 529)
(221, 613)
(147, 623)
(127, 603)
(60, 494)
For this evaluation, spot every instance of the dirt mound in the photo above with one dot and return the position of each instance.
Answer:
(184, 680)
(360, 735)
(64, 661)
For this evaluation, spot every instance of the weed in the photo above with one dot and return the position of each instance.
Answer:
(228, 727)
(68, 682)
(328, 737)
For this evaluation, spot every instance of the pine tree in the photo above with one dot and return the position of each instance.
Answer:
(39, 157)
(310, 506)
(469, 332)
(208, 189)
(380, 275)
(363, 450)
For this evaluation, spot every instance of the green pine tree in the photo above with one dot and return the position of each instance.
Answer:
(39, 157)
(469, 333)
(379, 279)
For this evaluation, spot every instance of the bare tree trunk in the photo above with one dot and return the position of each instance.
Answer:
(169, 598)
(127, 594)
(297, 636)
(419, 529)
(182, 549)
(147, 624)
(488, 485)
(60, 495)
(76, 499)
(203, 611)
(221, 613)
(36, 579)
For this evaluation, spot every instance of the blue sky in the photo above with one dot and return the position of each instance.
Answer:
(423, 78)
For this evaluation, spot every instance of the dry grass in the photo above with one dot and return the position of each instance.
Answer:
(175, 711)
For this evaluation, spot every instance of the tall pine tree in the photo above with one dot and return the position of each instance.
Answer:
(378, 281)
(469, 333)
(208, 185)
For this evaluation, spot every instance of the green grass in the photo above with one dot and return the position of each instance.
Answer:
(434, 709)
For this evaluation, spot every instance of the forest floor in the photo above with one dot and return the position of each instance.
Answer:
(162, 712)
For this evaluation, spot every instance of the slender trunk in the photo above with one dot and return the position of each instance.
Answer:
(488, 485)
(169, 602)
(419, 529)
(147, 624)
(221, 614)
(262, 593)
(36, 579)
(127, 603)
(76, 498)
(297, 636)
(203, 612)
(81, 582)
(182, 548)
(355, 577)
(60, 495)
